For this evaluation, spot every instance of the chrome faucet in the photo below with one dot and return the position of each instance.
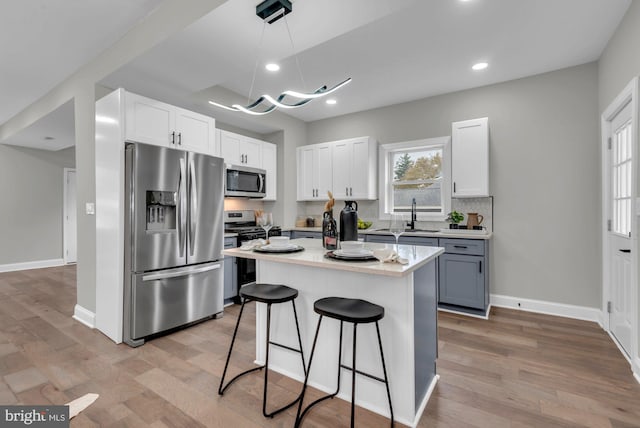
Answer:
(412, 223)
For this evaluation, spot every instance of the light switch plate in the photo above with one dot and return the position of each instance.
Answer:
(90, 208)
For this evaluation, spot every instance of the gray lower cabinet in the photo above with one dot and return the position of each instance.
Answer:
(295, 234)
(463, 279)
(230, 272)
(463, 274)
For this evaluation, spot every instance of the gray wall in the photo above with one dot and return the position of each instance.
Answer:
(618, 64)
(31, 185)
(620, 61)
(544, 175)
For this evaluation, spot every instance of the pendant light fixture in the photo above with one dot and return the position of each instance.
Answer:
(271, 11)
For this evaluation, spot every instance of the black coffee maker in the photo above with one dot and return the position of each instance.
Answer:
(349, 222)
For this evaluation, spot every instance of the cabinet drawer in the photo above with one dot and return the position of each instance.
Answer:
(418, 240)
(473, 247)
(295, 234)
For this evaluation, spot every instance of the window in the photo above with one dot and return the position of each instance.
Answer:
(621, 172)
(417, 170)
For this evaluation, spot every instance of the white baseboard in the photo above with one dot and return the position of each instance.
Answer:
(38, 264)
(636, 369)
(84, 316)
(548, 308)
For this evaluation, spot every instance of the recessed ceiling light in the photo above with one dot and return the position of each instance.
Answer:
(480, 66)
(331, 101)
(48, 138)
(272, 66)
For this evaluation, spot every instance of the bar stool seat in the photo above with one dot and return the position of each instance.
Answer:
(350, 310)
(355, 311)
(268, 294)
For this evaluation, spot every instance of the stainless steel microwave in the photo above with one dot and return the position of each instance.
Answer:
(244, 181)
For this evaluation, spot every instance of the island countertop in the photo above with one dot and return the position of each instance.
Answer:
(313, 255)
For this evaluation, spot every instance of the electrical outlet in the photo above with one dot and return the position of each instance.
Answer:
(90, 208)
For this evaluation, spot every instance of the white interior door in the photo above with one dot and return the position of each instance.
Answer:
(70, 218)
(620, 173)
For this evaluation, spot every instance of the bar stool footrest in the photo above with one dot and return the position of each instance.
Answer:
(238, 376)
(370, 376)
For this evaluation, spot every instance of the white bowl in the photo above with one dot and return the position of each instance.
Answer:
(279, 241)
(352, 246)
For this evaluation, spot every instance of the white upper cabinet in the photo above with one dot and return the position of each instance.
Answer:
(315, 178)
(154, 122)
(196, 132)
(148, 121)
(270, 164)
(354, 169)
(348, 168)
(240, 150)
(470, 158)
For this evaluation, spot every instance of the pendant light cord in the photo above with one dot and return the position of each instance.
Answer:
(295, 55)
(255, 68)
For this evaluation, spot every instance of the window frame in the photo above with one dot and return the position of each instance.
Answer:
(385, 171)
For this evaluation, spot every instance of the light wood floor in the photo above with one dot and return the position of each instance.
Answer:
(515, 370)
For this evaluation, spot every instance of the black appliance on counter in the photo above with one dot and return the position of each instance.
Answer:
(243, 222)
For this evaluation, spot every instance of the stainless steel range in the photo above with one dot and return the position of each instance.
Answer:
(243, 222)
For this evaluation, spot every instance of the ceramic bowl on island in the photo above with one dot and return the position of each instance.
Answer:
(279, 241)
(352, 247)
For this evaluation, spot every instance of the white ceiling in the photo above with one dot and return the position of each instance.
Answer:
(44, 41)
(395, 50)
(55, 131)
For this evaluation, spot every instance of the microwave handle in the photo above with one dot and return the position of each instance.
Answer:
(261, 185)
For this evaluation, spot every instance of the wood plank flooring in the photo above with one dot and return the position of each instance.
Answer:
(516, 370)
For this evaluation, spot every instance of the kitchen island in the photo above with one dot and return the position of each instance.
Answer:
(409, 328)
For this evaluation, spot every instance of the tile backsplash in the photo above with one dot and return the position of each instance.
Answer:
(368, 210)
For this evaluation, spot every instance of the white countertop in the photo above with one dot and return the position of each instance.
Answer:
(450, 233)
(313, 255)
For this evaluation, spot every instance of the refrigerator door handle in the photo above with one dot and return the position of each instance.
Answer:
(181, 272)
(194, 207)
(182, 215)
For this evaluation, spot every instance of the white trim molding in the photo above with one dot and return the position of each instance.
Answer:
(84, 316)
(629, 95)
(549, 308)
(38, 264)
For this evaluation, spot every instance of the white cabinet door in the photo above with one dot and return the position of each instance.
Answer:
(195, 131)
(149, 121)
(355, 169)
(270, 164)
(470, 158)
(322, 171)
(314, 172)
(251, 152)
(306, 189)
(364, 167)
(230, 147)
(342, 156)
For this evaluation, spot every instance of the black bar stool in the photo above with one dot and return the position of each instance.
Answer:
(269, 294)
(355, 311)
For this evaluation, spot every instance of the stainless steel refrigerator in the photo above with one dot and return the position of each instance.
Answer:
(173, 239)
